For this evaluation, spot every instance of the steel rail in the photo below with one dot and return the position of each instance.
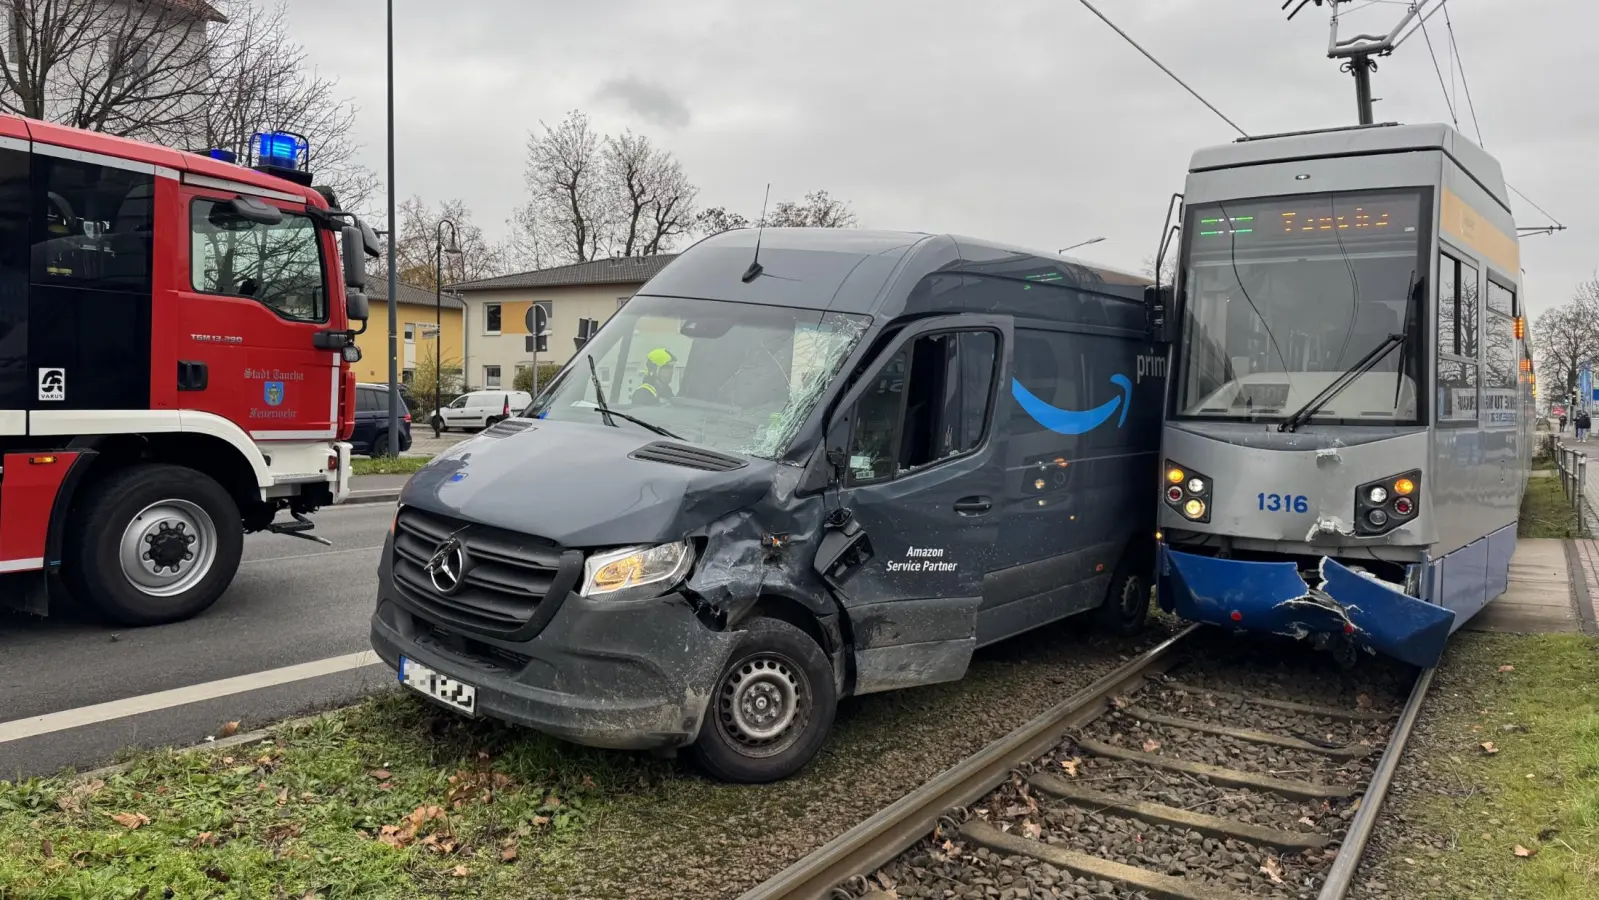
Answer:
(889, 832)
(1342, 874)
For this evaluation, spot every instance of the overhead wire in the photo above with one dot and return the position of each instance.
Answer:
(1162, 67)
(1461, 64)
(1453, 117)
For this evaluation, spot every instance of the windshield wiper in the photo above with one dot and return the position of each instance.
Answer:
(599, 392)
(639, 422)
(1342, 381)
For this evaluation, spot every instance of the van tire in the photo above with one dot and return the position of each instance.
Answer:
(161, 496)
(774, 664)
(1125, 610)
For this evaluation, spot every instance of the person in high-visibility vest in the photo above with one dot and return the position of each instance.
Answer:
(657, 384)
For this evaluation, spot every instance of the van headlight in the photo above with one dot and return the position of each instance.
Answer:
(617, 574)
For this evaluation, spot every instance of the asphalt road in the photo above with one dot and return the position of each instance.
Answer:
(293, 602)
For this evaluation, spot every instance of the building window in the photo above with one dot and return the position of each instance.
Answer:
(491, 318)
(410, 333)
(622, 301)
(491, 376)
(408, 376)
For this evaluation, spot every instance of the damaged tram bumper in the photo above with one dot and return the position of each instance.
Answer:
(628, 675)
(1378, 616)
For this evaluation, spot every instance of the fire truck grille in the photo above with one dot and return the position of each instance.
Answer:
(505, 579)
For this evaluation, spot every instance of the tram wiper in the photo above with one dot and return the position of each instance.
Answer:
(1366, 363)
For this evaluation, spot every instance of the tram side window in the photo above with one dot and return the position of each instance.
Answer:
(930, 402)
(1459, 315)
(1501, 355)
(92, 225)
(279, 266)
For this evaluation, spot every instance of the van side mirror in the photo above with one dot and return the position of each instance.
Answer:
(356, 306)
(1158, 307)
(353, 246)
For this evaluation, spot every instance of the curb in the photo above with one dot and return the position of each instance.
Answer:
(1579, 589)
(356, 498)
(249, 737)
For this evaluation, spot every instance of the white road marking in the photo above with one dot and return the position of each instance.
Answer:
(21, 729)
(312, 555)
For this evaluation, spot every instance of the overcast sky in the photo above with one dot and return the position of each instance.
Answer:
(1026, 121)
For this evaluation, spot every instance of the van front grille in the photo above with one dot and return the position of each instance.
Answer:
(499, 591)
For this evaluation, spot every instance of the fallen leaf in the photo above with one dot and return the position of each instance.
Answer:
(1032, 830)
(1118, 702)
(47, 849)
(1489, 748)
(540, 821)
(1151, 745)
(460, 872)
(216, 874)
(1525, 853)
(72, 801)
(381, 774)
(1070, 765)
(886, 882)
(1271, 870)
(227, 760)
(205, 837)
(589, 783)
(229, 730)
(1363, 701)
(509, 853)
(386, 786)
(283, 831)
(1509, 669)
(131, 821)
(1307, 820)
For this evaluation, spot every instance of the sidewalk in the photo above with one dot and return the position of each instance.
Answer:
(376, 488)
(1542, 596)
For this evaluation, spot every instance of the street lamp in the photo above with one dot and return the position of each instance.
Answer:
(1080, 244)
(439, 249)
(394, 274)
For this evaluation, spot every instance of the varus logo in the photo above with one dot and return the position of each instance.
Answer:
(1070, 421)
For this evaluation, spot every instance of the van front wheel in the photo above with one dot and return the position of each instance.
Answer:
(1125, 610)
(772, 707)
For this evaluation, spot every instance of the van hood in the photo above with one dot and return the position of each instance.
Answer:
(584, 486)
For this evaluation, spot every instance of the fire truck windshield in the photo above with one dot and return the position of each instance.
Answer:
(278, 265)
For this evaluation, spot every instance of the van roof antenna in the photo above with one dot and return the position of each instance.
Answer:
(754, 271)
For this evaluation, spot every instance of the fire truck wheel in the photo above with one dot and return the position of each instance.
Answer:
(152, 544)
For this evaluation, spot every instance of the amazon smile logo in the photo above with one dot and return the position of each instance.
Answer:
(1075, 421)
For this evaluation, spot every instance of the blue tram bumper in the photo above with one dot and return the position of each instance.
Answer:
(1271, 596)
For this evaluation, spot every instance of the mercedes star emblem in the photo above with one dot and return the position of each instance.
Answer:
(447, 566)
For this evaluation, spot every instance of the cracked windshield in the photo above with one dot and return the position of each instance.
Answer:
(736, 377)
(1283, 296)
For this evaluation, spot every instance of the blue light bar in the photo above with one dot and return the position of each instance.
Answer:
(279, 149)
(227, 156)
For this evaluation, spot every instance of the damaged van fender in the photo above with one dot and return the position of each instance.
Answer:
(1271, 596)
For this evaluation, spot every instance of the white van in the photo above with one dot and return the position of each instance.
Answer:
(480, 409)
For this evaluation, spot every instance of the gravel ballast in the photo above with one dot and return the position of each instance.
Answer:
(694, 838)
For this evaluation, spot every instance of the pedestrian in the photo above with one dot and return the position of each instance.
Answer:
(1562, 422)
(1583, 424)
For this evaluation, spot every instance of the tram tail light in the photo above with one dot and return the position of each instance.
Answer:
(1381, 506)
(1188, 492)
(1521, 328)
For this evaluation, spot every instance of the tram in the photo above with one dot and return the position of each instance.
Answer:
(1348, 425)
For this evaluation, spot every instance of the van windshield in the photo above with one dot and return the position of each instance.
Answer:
(735, 377)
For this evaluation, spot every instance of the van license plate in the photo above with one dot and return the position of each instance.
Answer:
(440, 687)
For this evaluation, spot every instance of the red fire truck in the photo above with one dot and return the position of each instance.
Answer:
(175, 349)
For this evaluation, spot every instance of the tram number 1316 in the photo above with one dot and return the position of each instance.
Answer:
(1284, 503)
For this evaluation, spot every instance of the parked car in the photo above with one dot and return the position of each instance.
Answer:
(371, 435)
(480, 409)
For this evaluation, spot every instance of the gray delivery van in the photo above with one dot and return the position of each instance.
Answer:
(798, 465)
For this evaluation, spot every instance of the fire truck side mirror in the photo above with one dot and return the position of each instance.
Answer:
(353, 246)
(356, 306)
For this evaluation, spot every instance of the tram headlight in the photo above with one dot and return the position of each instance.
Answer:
(1194, 509)
(1188, 492)
(1196, 485)
(1388, 503)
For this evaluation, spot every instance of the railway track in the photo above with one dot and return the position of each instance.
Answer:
(1188, 774)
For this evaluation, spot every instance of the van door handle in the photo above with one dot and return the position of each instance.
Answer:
(971, 506)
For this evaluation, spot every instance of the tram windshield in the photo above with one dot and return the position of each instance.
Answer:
(1284, 295)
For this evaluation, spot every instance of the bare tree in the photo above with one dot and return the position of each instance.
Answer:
(1168, 268)
(594, 195)
(717, 219)
(817, 210)
(1567, 336)
(190, 74)
(416, 246)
